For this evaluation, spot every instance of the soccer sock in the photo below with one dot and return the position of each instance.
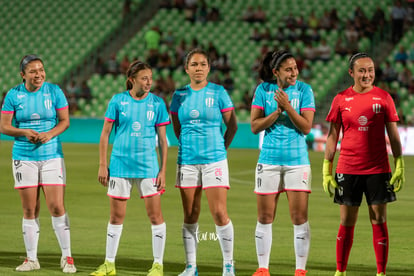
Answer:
(301, 235)
(225, 235)
(62, 232)
(380, 240)
(344, 242)
(159, 233)
(30, 228)
(301, 241)
(190, 242)
(263, 237)
(112, 241)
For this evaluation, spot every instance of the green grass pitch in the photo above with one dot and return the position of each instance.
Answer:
(87, 206)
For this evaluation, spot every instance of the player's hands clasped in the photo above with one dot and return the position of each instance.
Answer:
(328, 179)
(398, 177)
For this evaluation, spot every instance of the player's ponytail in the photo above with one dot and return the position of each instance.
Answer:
(265, 69)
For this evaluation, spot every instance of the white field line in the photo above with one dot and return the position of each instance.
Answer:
(237, 177)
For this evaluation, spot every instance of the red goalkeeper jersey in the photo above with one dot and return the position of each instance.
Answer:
(362, 118)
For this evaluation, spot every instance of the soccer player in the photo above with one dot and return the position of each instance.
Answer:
(137, 116)
(40, 112)
(362, 112)
(197, 112)
(284, 108)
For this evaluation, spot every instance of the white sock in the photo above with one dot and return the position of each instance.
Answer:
(62, 232)
(159, 235)
(302, 243)
(30, 228)
(113, 236)
(190, 242)
(225, 235)
(263, 237)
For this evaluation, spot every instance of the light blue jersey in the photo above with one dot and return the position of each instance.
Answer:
(135, 121)
(283, 143)
(36, 111)
(200, 114)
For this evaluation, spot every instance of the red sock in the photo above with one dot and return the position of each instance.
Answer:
(380, 240)
(344, 242)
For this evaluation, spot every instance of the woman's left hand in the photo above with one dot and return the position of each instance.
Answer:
(160, 182)
(44, 137)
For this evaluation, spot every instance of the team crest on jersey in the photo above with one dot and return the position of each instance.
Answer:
(294, 103)
(136, 126)
(194, 113)
(209, 102)
(376, 108)
(150, 115)
(48, 104)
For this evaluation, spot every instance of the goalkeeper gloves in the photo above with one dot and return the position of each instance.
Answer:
(328, 179)
(398, 177)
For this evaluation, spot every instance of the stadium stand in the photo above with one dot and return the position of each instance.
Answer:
(64, 42)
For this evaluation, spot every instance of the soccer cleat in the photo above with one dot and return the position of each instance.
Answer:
(189, 271)
(67, 265)
(338, 273)
(106, 269)
(300, 272)
(228, 270)
(28, 265)
(381, 274)
(156, 270)
(262, 272)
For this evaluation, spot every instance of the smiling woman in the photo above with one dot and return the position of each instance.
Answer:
(40, 112)
(361, 112)
(284, 108)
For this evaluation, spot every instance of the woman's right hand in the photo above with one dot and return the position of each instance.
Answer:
(103, 175)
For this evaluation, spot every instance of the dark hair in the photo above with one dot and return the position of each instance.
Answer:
(193, 52)
(133, 70)
(27, 59)
(355, 57)
(272, 60)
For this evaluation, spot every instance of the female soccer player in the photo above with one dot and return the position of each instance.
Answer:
(362, 112)
(137, 116)
(197, 112)
(41, 113)
(284, 108)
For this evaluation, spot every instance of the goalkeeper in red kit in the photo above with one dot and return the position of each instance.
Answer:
(363, 112)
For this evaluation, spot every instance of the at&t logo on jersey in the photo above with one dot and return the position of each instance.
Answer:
(209, 102)
(194, 114)
(136, 126)
(35, 119)
(362, 120)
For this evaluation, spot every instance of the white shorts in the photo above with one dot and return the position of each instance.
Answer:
(120, 187)
(39, 173)
(213, 175)
(273, 179)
